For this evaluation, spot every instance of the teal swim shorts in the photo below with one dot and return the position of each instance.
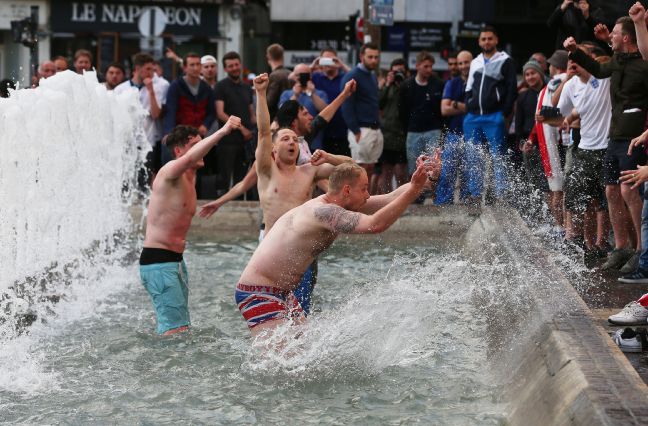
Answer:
(167, 285)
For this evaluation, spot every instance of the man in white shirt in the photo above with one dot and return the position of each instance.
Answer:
(588, 99)
(152, 95)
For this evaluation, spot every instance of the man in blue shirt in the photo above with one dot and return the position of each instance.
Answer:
(329, 80)
(491, 90)
(305, 93)
(361, 112)
(454, 109)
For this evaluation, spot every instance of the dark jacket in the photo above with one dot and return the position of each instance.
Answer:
(392, 127)
(420, 106)
(572, 23)
(182, 107)
(525, 110)
(492, 85)
(628, 90)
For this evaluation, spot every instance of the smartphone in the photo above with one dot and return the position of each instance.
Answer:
(327, 62)
(304, 77)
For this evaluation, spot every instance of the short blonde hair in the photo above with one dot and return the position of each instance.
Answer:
(343, 174)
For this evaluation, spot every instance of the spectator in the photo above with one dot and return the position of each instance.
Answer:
(328, 80)
(526, 133)
(420, 109)
(152, 92)
(453, 66)
(306, 94)
(61, 63)
(279, 81)
(491, 90)
(394, 156)
(361, 112)
(453, 107)
(629, 97)
(208, 70)
(573, 18)
(82, 61)
(158, 71)
(115, 75)
(233, 97)
(45, 70)
(541, 59)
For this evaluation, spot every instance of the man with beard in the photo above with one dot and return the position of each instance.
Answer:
(361, 112)
(490, 94)
(233, 97)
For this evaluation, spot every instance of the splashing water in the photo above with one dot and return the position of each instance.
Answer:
(71, 150)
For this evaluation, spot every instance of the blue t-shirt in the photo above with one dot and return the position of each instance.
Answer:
(455, 90)
(337, 128)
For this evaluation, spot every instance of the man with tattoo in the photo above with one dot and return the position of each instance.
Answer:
(264, 294)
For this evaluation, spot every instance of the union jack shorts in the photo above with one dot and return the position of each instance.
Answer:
(259, 304)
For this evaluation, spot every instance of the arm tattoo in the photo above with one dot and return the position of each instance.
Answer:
(341, 220)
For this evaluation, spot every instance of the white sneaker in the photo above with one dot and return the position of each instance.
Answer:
(632, 314)
(629, 340)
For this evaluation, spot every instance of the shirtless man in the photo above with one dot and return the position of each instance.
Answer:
(264, 293)
(171, 208)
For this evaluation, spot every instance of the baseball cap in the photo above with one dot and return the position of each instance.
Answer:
(559, 59)
(207, 59)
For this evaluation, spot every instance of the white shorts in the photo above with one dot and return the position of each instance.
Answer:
(369, 148)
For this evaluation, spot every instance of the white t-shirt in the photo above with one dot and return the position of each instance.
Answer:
(592, 101)
(152, 128)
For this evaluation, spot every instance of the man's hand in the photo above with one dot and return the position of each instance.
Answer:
(209, 209)
(539, 118)
(297, 90)
(389, 80)
(431, 164)
(638, 141)
(310, 86)
(247, 134)
(602, 33)
(637, 12)
(319, 157)
(172, 55)
(148, 83)
(358, 136)
(233, 123)
(261, 82)
(527, 146)
(565, 4)
(570, 44)
(202, 130)
(634, 177)
(349, 88)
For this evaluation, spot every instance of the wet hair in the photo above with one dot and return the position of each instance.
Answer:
(344, 174)
(276, 132)
(231, 56)
(488, 29)
(140, 59)
(627, 28)
(424, 56)
(189, 55)
(287, 113)
(82, 52)
(275, 52)
(372, 46)
(179, 137)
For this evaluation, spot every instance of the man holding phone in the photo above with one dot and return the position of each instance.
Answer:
(305, 93)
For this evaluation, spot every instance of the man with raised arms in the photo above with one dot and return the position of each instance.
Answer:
(264, 294)
(171, 208)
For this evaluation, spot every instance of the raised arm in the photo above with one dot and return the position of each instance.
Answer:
(340, 220)
(237, 190)
(638, 14)
(175, 168)
(330, 110)
(263, 152)
(326, 162)
(581, 58)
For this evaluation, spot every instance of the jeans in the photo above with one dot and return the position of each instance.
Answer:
(452, 161)
(419, 142)
(489, 128)
(643, 258)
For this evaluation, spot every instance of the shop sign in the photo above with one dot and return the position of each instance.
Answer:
(97, 16)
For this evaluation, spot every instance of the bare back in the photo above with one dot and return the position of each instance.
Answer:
(296, 239)
(170, 210)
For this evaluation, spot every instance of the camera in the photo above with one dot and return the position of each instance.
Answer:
(399, 77)
(304, 77)
(550, 112)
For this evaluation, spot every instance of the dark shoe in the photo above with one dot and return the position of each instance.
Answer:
(631, 265)
(640, 276)
(617, 258)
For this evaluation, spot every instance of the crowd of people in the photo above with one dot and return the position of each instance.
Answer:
(572, 130)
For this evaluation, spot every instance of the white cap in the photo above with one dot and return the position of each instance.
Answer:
(207, 59)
